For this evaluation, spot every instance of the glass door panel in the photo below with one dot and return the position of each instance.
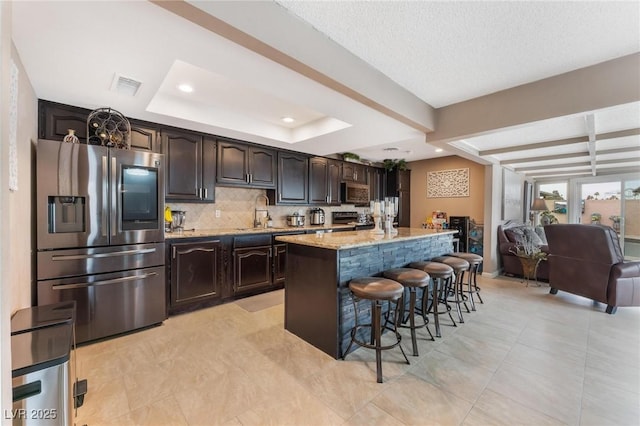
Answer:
(601, 204)
(555, 198)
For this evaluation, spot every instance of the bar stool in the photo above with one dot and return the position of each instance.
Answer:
(411, 279)
(456, 282)
(377, 290)
(475, 261)
(439, 272)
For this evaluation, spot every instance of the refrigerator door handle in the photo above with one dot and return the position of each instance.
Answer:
(100, 255)
(114, 197)
(103, 282)
(105, 197)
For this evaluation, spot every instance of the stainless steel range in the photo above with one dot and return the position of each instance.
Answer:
(100, 235)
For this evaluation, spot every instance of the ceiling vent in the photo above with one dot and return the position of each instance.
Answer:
(125, 85)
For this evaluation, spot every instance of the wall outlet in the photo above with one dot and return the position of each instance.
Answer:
(217, 213)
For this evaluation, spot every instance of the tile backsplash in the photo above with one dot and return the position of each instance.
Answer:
(237, 208)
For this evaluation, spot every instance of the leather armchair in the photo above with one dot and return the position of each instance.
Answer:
(587, 260)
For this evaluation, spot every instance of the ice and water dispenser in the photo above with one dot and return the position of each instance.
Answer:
(66, 214)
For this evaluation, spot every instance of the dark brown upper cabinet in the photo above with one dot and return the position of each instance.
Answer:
(354, 172)
(293, 180)
(246, 165)
(55, 120)
(190, 166)
(324, 181)
(144, 136)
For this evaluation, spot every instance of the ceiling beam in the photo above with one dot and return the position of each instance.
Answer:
(559, 142)
(570, 155)
(547, 158)
(618, 134)
(601, 172)
(582, 164)
(551, 167)
(539, 145)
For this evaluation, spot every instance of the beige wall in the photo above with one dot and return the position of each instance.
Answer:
(5, 246)
(20, 211)
(15, 206)
(421, 206)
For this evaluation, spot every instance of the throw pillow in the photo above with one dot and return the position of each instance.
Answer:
(531, 235)
(542, 235)
(514, 234)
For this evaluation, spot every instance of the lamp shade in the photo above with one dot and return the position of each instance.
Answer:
(538, 205)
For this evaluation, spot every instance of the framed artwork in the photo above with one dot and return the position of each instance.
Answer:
(448, 183)
(511, 195)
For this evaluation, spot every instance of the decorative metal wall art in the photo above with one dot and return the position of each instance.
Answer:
(108, 127)
(448, 183)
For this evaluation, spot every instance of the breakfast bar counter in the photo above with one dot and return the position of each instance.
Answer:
(318, 306)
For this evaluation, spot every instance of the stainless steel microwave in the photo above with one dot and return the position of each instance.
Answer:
(354, 193)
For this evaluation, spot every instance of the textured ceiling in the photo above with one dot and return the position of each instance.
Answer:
(447, 52)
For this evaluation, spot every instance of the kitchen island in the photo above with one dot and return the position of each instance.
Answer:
(318, 306)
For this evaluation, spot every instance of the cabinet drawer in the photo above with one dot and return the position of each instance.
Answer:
(252, 241)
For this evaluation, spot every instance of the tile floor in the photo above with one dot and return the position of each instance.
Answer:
(524, 357)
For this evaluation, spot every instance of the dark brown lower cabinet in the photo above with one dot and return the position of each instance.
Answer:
(252, 268)
(279, 264)
(195, 273)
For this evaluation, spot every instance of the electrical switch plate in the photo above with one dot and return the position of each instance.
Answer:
(217, 213)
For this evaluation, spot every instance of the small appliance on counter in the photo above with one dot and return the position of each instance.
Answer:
(178, 218)
(295, 219)
(317, 216)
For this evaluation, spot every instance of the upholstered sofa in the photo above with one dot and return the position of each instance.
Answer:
(507, 240)
(587, 260)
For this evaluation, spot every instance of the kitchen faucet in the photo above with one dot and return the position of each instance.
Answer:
(256, 221)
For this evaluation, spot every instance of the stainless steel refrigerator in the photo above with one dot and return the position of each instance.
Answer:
(100, 234)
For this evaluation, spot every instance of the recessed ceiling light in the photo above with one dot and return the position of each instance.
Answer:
(186, 88)
(288, 119)
(439, 149)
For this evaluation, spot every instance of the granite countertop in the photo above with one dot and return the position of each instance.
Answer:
(347, 240)
(198, 233)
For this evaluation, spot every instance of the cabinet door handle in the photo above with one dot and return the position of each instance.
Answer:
(270, 252)
(250, 177)
(205, 191)
(173, 252)
(246, 178)
(279, 196)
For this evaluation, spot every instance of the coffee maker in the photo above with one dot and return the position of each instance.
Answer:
(317, 216)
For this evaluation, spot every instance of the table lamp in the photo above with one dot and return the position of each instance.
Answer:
(538, 206)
